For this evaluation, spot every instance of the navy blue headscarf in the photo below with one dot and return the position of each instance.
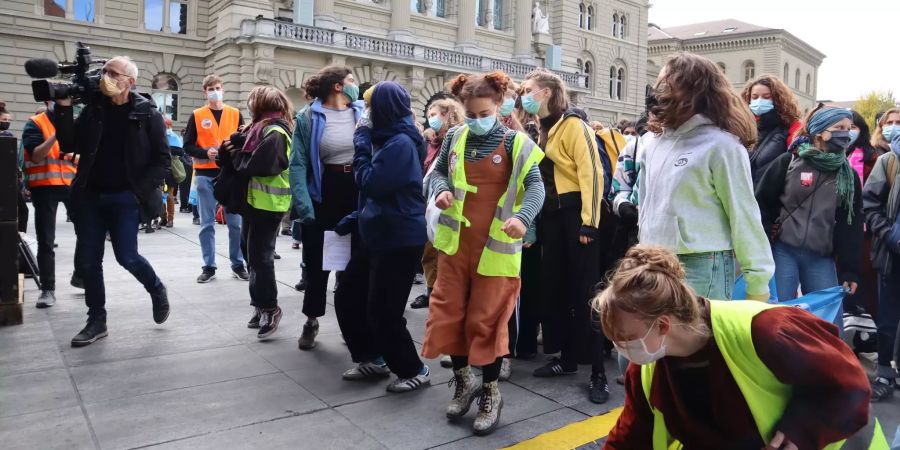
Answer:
(391, 114)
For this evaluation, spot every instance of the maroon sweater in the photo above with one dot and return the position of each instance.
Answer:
(704, 408)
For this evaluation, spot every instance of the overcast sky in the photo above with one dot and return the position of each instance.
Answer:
(860, 38)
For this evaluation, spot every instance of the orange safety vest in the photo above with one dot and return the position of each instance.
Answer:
(53, 170)
(211, 134)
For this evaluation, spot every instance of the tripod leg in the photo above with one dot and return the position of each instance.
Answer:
(31, 261)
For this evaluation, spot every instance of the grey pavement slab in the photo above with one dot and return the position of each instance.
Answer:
(58, 429)
(28, 349)
(131, 377)
(519, 431)
(36, 391)
(325, 430)
(187, 412)
(424, 410)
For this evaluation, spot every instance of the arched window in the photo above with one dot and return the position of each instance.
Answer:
(615, 25)
(722, 66)
(616, 83)
(808, 83)
(787, 72)
(797, 80)
(623, 25)
(581, 18)
(589, 72)
(164, 92)
(749, 70)
(590, 18)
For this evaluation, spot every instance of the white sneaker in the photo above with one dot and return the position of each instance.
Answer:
(366, 371)
(505, 370)
(419, 381)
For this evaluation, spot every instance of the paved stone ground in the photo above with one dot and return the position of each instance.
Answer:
(202, 380)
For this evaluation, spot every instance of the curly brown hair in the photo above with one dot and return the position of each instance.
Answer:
(691, 84)
(784, 99)
(491, 85)
(878, 139)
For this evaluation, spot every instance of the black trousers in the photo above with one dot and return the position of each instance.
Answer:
(370, 302)
(46, 201)
(339, 198)
(570, 276)
(259, 229)
(22, 207)
(184, 189)
(523, 326)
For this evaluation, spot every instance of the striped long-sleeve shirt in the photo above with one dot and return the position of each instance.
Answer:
(480, 147)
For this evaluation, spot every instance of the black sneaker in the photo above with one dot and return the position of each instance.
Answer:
(76, 282)
(308, 336)
(419, 302)
(254, 321)
(46, 300)
(598, 389)
(882, 389)
(196, 221)
(285, 231)
(160, 305)
(554, 368)
(240, 273)
(276, 256)
(207, 275)
(95, 329)
(268, 322)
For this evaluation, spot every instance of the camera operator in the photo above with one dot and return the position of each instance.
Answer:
(119, 130)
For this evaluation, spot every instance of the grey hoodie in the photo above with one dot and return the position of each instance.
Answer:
(696, 196)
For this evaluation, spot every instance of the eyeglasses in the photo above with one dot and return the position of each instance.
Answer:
(113, 74)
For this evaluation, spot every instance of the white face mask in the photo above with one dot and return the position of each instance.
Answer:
(629, 139)
(636, 350)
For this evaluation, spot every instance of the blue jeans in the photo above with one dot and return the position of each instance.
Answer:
(795, 267)
(710, 274)
(207, 206)
(119, 214)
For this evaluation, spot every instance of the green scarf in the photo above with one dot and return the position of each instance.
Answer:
(833, 162)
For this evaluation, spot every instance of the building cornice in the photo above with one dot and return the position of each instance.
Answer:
(739, 41)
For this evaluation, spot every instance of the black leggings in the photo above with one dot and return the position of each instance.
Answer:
(489, 373)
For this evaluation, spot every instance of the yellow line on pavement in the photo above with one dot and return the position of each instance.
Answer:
(573, 435)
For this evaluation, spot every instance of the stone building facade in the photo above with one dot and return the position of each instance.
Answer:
(599, 47)
(743, 51)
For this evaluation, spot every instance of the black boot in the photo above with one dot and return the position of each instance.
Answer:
(160, 304)
(95, 329)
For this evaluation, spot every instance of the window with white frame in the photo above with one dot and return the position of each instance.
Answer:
(440, 8)
(582, 11)
(787, 72)
(82, 10)
(617, 83)
(808, 83)
(797, 79)
(588, 70)
(164, 91)
(749, 70)
(623, 25)
(590, 18)
(498, 14)
(615, 25)
(167, 16)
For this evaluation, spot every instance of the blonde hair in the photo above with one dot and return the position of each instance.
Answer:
(559, 99)
(269, 99)
(878, 140)
(648, 282)
(451, 109)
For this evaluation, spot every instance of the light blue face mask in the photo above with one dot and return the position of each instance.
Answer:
(530, 104)
(482, 126)
(435, 123)
(352, 92)
(507, 108)
(761, 106)
(890, 131)
(215, 96)
(854, 135)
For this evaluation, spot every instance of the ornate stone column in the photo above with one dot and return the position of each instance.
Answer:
(522, 52)
(400, 21)
(324, 15)
(465, 36)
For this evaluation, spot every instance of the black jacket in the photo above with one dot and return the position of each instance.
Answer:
(270, 158)
(771, 144)
(148, 160)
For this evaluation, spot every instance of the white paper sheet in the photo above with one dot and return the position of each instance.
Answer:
(336, 252)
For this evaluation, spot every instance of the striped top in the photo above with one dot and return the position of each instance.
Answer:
(480, 147)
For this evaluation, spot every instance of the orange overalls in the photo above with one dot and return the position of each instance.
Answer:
(468, 312)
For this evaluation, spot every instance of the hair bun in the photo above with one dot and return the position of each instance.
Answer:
(456, 85)
(655, 259)
(499, 80)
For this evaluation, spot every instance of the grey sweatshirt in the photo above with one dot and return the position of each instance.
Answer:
(696, 196)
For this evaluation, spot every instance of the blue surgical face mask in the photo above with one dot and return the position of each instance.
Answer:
(351, 91)
(889, 131)
(435, 123)
(761, 106)
(507, 108)
(214, 96)
(482, 126)
(530, 104)
(854, 135)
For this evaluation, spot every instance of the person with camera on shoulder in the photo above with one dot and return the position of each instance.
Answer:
(118, 129)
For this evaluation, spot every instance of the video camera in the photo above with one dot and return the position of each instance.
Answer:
(84, 82)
